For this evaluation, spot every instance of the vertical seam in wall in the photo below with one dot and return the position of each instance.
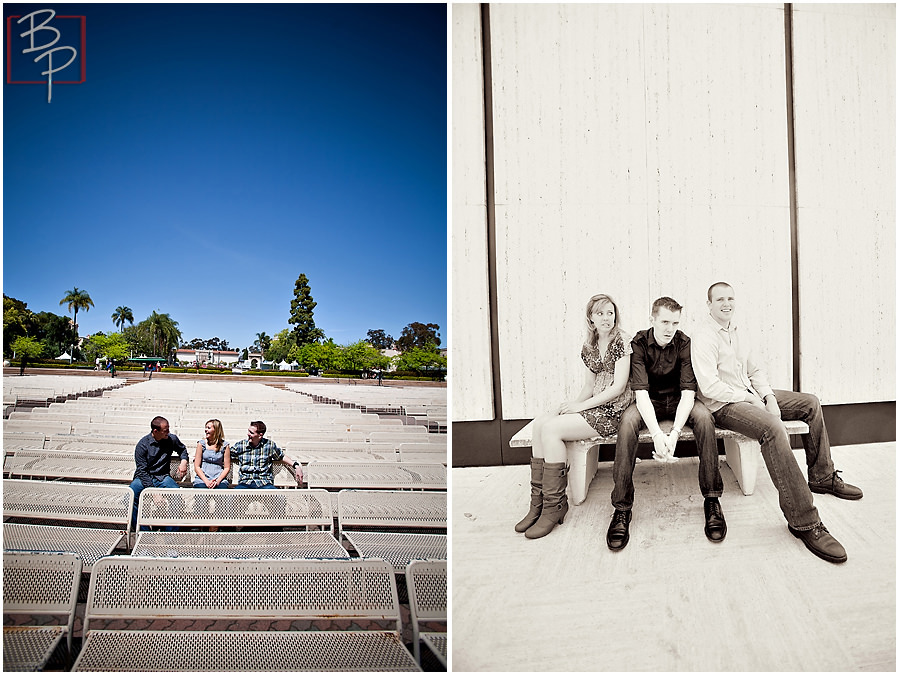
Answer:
(792, 189)
(490, 204)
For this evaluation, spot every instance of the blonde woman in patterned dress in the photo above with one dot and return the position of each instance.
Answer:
(596, 411)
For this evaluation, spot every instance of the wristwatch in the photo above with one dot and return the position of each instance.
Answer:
(296, 464)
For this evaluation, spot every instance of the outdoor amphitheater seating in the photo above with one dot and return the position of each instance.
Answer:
(38, 584)
(270, 510)
(376, 523)
(426, 582)
(265, 591)
(57, 502)
(378, 475)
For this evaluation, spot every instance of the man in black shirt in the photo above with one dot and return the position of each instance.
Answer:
(664, 387)
(152, 458)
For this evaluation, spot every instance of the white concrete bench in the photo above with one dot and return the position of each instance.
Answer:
(372, 521)
(426, 583)
(38, 584)
(60, 501)
(741, 453)
(168, 589)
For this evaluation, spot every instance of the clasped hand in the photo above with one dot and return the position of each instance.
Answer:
(664, 447)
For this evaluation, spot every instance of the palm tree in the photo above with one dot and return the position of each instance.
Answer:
(121, 315)
(163, 331)
(76, 299)
(264, 342)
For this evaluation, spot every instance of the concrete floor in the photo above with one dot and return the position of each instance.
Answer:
(673, 601)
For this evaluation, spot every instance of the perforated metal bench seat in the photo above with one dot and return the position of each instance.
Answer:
(29, 648)
(274, 545)
(94, 466)
(384, 513)
(38, 584)
(244, 651)
(426, 581)
(89, 543)
(385, 475)
(251, 507)
(63, 501)
(228, 590)
(741, 453)
(398, 548)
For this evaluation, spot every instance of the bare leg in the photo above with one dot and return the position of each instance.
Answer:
(555, 432)
(537, 445)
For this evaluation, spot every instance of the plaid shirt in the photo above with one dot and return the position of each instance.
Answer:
(256, 463)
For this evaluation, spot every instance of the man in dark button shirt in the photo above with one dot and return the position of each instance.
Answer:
(664, 387)
(152, 458)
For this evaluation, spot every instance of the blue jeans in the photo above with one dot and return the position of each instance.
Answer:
(701, 422)
(794, 496)
(137, 487)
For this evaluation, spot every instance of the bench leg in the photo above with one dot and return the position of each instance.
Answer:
(582, 462)
(743, 458)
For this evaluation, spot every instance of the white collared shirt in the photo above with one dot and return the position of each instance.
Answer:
(724, 365)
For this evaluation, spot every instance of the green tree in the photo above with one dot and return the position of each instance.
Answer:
(421, 359)
(121, 315)
(321, 356)
(113, 346)
(379, 339)
(18, 321)
(262, 343)
(280, 346)
(74, 300)
(305, 331)
(419, 335)
(361, 356)
(163, 332)
(138, 339)
(27, 347)
(53, 331)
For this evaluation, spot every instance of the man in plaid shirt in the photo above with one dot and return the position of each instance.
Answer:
(255, 456)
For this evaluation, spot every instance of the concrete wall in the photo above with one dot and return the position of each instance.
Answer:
(642, 150)
(845, 107)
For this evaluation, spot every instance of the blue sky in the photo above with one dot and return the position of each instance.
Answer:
(216, 152)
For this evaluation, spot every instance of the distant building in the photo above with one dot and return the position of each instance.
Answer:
(207, 357)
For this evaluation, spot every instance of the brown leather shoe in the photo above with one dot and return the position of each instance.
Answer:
(835, 485)
(821, 543)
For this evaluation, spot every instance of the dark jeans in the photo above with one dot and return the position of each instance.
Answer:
(794, 496)
(701, 422)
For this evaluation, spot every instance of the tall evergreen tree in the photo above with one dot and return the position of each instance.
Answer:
(305, 331)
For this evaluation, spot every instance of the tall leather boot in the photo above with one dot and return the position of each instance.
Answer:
(537, 497)
(555, 505)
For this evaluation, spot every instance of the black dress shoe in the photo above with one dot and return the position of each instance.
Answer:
(821, 543)
(715, 521)
(617, 534)
(835, 485)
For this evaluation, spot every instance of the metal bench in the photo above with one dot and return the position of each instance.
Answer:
(741, 453)
(225, 591)
(92, 466)
(61, 501)
(38, 584)
(379, 475)
(243, 508)
(426, 583)
(385, 514)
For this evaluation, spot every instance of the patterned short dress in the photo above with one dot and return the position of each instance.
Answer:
(605, 418)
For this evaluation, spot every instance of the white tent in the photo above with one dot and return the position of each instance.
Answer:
(284, 365)
(64, 357)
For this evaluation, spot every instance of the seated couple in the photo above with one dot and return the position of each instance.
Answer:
(212, 461)
(660, 374)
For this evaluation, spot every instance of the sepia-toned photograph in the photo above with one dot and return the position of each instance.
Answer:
(673, 393)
